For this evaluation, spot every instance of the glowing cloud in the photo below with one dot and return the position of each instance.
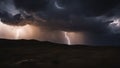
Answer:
(57, 6)
(18, 32)
(115, 26)
(115, 23)
(23, 31)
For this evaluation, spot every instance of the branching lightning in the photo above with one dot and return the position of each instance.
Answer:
(67, 38)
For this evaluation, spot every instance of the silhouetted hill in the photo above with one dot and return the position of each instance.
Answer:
(23, 42)
(36, 54)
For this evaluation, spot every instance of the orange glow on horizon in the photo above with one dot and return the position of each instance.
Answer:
(17, 32)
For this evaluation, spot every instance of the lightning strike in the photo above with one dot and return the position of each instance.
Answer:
(18, 31)
(67, 38)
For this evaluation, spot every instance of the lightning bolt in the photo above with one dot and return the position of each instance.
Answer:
(18, 31)
(67, 38)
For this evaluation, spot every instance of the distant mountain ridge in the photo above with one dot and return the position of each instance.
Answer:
(32, 42)
(22, 41)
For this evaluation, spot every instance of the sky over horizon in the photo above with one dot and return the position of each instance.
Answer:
(62, 21)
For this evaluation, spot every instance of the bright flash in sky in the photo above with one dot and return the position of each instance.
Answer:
(115, 26)
(17, 32)
(22, 31)
(34, 32)
(115, 23)
(67, 38)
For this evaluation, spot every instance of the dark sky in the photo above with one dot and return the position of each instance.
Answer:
(76, 15)
(97, 17)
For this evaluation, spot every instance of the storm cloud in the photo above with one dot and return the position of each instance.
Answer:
(77, 15)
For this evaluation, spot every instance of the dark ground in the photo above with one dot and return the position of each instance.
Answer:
(34, 54)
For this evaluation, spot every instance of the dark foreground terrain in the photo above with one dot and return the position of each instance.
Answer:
(34, 54)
